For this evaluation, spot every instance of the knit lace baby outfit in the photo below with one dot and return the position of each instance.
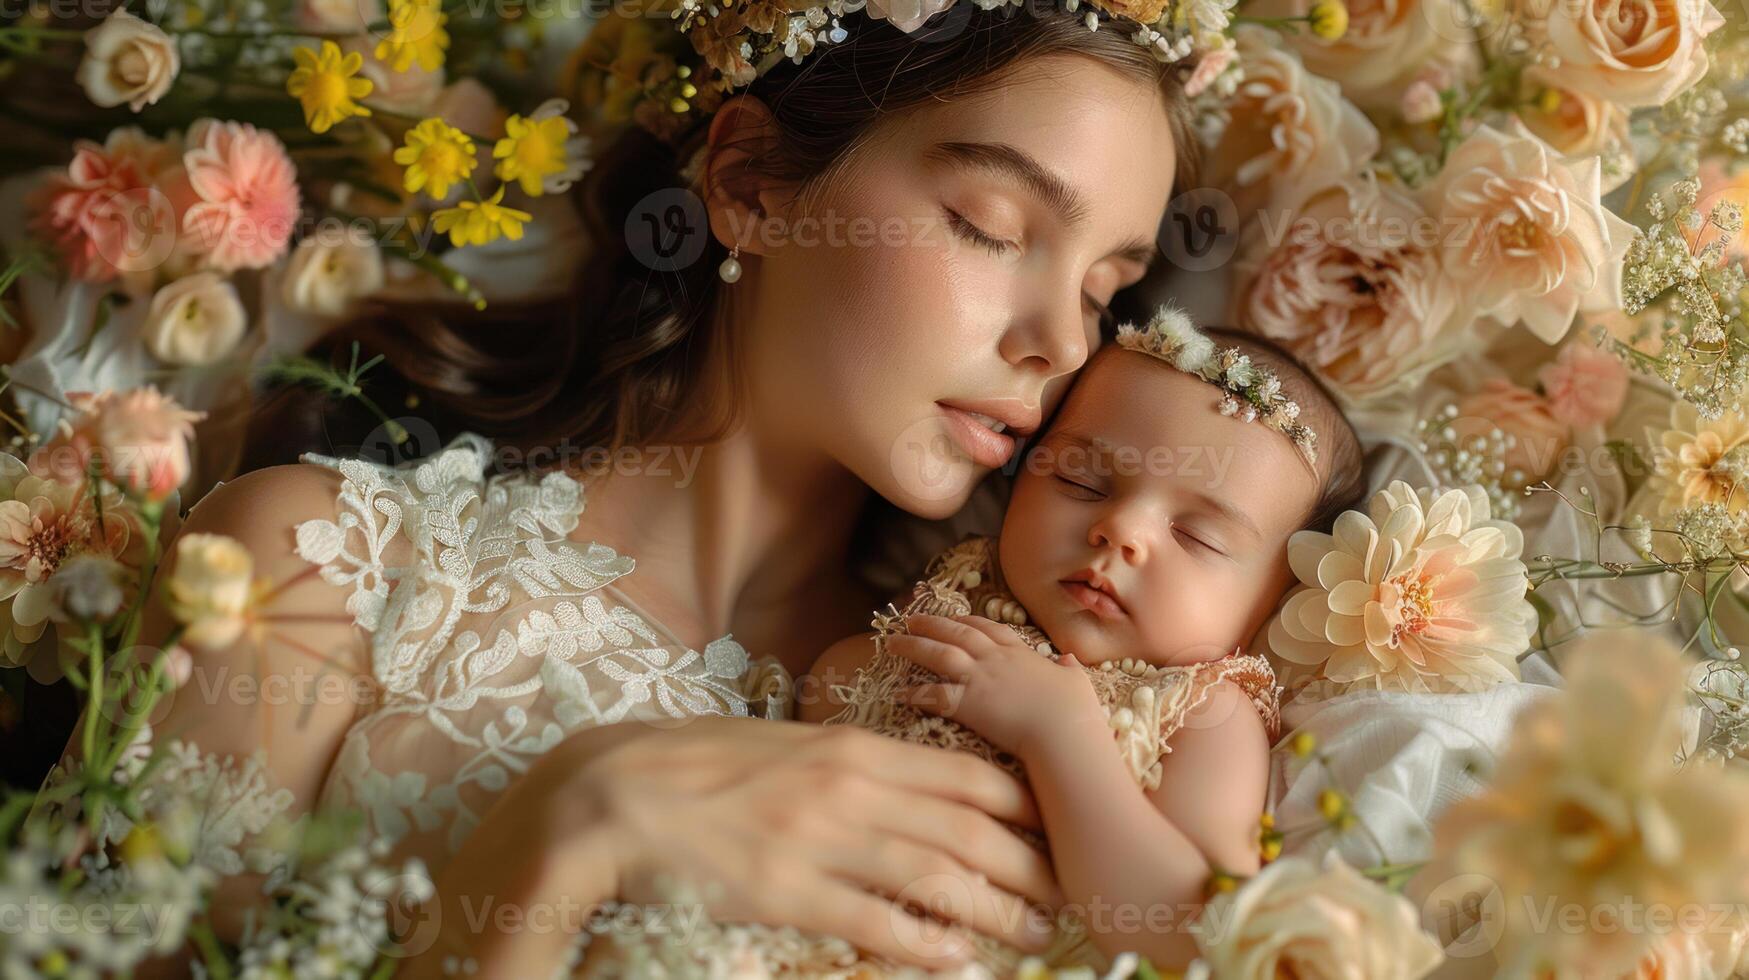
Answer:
(1146, 704)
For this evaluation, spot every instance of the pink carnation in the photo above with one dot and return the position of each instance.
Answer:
(92, 215)
(245, 195)
(1584, 385)
(137, 439)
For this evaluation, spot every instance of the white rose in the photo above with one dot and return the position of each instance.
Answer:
(212, 589)
(324, 277)
(1639, 54)
(127, 60)
(195, 320)
(1529, 236)
(1296, 919)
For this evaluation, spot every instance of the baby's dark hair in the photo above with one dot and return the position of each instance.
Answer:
(1340, 461)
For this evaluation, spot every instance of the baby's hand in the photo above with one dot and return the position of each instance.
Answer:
(994, 683)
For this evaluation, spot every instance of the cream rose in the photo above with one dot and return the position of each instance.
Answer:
(1630, 52)
(1297, 919)
(1290, 129)
(1387, 45)
(1524, 232)
(324, 277)
(211, 591)
(1588, 816)
(127, 60)
(1574, 122)
(195, 320)
(1351, 282)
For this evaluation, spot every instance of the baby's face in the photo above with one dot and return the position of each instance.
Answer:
(1146, 524)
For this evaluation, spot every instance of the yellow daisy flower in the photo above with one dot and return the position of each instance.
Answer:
(327, 86)
(535, 152)
(415, 34)
(479, 222)
(436, 155)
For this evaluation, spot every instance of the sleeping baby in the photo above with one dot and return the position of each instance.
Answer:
(1095, 647)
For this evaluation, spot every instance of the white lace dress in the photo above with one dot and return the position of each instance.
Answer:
(493, 634)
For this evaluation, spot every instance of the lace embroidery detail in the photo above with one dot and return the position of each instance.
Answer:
(493, 634)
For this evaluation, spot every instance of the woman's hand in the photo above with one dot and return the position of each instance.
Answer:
(994, 683)
(829, 829)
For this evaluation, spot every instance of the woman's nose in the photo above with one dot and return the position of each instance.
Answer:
(1052, 337)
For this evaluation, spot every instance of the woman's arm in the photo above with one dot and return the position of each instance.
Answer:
(822, 828)
(1138, 863)
(222, 707)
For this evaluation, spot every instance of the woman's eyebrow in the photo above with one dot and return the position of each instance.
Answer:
(1014, 163)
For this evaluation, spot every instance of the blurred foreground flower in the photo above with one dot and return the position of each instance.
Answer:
(1589, 819)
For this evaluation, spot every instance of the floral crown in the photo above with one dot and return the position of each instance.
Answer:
(668, 73)
(1250, 393)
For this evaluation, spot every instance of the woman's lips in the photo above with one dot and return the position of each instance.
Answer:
(983, 444)
(1093, 600)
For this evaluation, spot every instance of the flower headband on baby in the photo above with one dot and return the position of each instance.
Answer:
(1250, 393)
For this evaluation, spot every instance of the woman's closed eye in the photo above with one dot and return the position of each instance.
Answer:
(977, 236)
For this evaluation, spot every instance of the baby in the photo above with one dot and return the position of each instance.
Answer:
(1094, 648)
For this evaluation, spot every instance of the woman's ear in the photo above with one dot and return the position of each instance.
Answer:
(742, 199)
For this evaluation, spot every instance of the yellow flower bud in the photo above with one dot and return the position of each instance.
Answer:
(1303, 744)
(1271, 848)
(688, 90)
(141, 845)
(1267, 821)
(1548, 101)
(1221, 882)
(53, 964)
(1328, 19)
(678, 105)
(1332, 805)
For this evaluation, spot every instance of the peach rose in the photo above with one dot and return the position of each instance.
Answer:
(908, 15)
(1574, 122)
(1388, 44)
(336, 16)
(1352, 284)
(1632, 54)
(1297, 919)
(1290, 129)
(127, 60)
(1524, 234)
(1539, 437)
(195, 320)
(1584, 386)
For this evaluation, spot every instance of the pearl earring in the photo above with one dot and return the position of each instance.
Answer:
(730, 270)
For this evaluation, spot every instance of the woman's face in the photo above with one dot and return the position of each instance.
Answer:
(955, 268)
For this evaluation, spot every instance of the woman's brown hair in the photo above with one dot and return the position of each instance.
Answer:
(619, 359)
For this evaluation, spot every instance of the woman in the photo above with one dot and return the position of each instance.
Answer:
(548, 729)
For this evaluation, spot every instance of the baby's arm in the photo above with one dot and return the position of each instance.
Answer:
(815, 701)
(1139, 862)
